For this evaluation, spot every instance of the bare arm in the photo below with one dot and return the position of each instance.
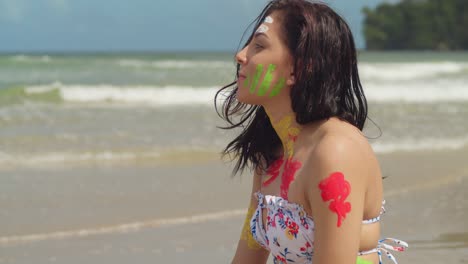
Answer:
(248, 250)
(336, 192)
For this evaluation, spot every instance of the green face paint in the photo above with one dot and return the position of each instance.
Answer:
(265, 85)
(362, 261)
(278, 87)
(253, 82)
(256, 78)
(247, 81)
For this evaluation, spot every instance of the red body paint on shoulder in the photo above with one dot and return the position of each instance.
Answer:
(336, 189)
(289, 172)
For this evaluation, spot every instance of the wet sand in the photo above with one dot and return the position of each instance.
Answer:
(186, 212)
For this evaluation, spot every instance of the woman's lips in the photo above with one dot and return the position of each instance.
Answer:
(241, 78)
(240, 81)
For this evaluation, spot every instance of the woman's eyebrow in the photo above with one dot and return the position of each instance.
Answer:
(258, 34)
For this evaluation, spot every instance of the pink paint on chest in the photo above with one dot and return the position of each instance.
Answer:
(289, 173)
(273, 171)
(336, 189)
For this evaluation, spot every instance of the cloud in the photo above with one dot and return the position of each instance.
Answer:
(252, 7)
(17, 10)
(59, 6)
(13, 10)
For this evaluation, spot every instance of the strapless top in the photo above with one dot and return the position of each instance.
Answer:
(289, 232)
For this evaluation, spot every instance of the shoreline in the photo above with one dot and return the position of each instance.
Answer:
(116, 214)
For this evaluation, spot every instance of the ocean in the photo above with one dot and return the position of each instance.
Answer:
(114, 158)
(57, 109)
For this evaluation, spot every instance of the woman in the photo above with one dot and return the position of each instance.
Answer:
(317, 186)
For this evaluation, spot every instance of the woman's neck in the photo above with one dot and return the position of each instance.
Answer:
(286, 127)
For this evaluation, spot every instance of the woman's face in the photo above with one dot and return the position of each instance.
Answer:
(266, 70)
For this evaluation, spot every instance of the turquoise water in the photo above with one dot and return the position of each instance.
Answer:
(143, 69)
(59, 109)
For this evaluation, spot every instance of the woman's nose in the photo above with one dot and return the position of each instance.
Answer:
(241, 56)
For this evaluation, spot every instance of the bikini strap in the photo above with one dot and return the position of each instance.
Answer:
(385, 248)
(260, 199)
(382, 208)
(376, 219)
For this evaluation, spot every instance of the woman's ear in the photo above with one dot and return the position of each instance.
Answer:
(292, 76)
(291, 79)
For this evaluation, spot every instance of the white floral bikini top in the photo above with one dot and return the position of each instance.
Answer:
(289, 232)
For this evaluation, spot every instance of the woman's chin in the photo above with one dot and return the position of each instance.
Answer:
(244, 96)
(240, 96)
(250, 102)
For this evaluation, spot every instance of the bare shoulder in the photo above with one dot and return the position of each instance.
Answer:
(340, 137)
(341, 147)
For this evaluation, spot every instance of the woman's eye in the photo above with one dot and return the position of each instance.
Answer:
(258, 46)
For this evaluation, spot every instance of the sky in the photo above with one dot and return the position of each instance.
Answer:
(139, 25)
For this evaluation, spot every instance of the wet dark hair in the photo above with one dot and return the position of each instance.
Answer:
(326, 85)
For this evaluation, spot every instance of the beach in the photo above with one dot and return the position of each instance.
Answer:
(116, 158)
(179, 213)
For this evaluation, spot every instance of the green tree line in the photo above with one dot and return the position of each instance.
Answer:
(417, 24)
